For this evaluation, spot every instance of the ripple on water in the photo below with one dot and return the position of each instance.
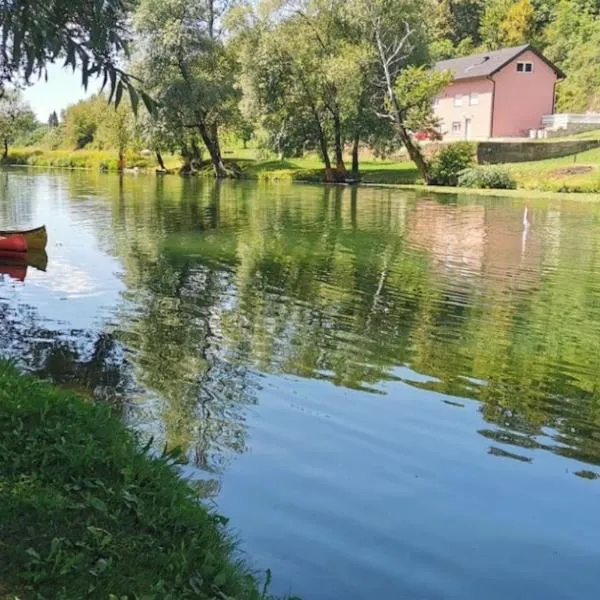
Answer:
(391, 396)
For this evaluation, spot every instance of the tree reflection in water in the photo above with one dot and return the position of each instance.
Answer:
(359, 288)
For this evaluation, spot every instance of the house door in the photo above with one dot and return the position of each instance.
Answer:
(467, 129)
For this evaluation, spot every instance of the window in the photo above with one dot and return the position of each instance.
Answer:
(458, 100)
(474, 98)
(456, 127)
(524, 67)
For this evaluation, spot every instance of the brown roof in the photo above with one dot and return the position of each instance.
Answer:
(488, 63)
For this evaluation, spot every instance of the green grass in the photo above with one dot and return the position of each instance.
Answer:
(86, 513)
(82, 159)
(592, 134)
(576, 173)
(310, 168)
(553, 175)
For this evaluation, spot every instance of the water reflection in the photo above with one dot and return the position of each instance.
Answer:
(392, 364)
(91, 364)
(223, 281)
(14, 265)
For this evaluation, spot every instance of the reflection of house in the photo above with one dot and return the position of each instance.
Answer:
(470, 240)
(504, 93)
(455, 236)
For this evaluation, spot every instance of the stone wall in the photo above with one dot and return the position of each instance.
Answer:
(492, 153)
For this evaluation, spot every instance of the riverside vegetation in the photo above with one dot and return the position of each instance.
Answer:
(339, 81)
(86, 511)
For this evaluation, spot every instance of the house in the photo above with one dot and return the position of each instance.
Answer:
(497, 94)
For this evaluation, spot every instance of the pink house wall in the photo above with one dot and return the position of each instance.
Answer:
(479, 114)
(521, 99)
(518, 102)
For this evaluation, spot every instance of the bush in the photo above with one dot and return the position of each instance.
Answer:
(497, 178)
(450, 161)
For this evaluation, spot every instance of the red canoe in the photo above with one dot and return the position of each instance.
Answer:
(13, 243)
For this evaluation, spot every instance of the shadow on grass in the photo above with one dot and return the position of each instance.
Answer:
(401, 175)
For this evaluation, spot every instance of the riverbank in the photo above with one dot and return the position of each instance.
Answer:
(578, 174)
(86, 513)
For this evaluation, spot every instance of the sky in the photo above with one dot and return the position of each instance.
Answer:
(62, 88)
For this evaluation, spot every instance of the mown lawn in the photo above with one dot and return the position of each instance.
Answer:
(85, 512)
(576, 173)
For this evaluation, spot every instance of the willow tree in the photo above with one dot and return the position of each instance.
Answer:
(183, 61)
(90, 36)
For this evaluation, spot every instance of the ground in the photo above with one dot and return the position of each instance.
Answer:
(578, 173)
(87, 513)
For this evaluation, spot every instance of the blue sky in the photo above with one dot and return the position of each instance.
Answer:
(62, 88)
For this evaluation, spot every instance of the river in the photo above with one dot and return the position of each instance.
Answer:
(390, 394)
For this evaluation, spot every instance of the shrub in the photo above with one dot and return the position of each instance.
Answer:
(498, 178)
(450, 160)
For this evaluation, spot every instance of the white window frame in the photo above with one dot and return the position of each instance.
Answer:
(524, 66)
(456, 127)
(458, 100)
(473, 99)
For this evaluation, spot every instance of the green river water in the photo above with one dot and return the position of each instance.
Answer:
(391, 394)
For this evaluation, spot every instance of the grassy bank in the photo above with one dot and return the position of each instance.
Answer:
(82, 159)
(85, 513)
(578, 173)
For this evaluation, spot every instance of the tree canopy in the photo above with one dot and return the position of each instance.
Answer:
(332, 77)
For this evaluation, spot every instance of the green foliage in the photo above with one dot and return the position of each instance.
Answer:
(186, 67)
(450, 161)
(53, 119)
(487, 177)
(573, 39)
(77, 159)
(81, 122)
(86, 512)
(416, 88)
(85, 35)
(16, 119)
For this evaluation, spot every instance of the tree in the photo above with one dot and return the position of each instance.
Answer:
(15, 117)
(81, 121)
(507, 23)
(283, 69)
(416, 89)
(185, 65)
(573, 39)
(53, 120)
(395, 29)
(86, 35)
(116, 130)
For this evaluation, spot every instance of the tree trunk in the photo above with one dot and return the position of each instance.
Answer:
(121, 163)
(340, 167)
(323, 148)
(212, 145)
(160, 160)
(412, 147)
(196, 155)
(187, 160)
(5, 151)
(211, 19)
(355, 149)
